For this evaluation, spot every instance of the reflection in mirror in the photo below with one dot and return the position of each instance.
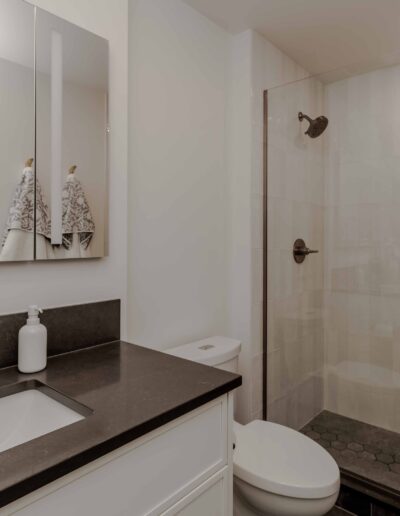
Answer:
(71, 117)
(16, 131)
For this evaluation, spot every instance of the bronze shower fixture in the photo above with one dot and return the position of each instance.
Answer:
(317, 126)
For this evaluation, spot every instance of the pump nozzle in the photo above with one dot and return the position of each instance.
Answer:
(34, 310)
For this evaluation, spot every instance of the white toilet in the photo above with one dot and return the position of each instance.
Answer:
(277, 471)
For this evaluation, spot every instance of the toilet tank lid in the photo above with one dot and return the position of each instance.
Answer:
(212, 351)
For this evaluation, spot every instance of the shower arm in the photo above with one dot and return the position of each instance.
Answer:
(302, 116)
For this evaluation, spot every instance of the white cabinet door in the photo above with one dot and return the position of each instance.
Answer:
(145, 477)
(209, 499)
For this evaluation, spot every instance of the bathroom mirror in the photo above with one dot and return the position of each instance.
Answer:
(71, 157)
(17, 130)
(54, 146)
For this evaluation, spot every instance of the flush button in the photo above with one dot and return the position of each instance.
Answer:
(206, 346)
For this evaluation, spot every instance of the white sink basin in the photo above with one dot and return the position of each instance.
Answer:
(27, 411)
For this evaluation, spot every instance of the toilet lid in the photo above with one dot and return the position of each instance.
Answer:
(282, 461)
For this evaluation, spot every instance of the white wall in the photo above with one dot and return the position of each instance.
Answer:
(245, 235)
(191, 190)
(239, 149)
(57, 284)
(178, 189)
(195, 210)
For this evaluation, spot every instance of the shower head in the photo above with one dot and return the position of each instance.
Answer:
(317, 126)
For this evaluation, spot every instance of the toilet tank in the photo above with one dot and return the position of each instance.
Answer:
(220, 352)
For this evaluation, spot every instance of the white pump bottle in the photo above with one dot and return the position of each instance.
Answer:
(32, 343)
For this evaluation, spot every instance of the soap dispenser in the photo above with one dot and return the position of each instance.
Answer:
(32, 343)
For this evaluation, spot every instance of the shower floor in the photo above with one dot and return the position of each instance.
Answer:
(368, 456)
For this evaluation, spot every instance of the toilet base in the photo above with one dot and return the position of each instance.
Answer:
(251, 501)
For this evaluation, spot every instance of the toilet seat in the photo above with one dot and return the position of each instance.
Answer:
(280, 460)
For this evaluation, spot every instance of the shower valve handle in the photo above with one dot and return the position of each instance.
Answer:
(300, 251)
(308, 251)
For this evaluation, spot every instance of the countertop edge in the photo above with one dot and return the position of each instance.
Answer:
(45, 477)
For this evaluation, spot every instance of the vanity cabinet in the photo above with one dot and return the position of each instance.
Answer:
(184, 467)
(208, 499)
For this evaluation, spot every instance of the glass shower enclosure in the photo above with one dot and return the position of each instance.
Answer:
(332, 334)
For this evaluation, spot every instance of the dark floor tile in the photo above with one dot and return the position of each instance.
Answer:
(383, 511)
(354, 502)
(337, 511)
(365, 450)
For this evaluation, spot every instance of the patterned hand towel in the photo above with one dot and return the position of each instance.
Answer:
(21, 212)
(77, 218)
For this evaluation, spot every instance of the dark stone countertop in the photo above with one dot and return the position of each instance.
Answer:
(131, 390)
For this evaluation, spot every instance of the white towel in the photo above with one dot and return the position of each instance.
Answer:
(19, 247)
(77, 218)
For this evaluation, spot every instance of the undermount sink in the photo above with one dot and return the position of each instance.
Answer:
(31, 409)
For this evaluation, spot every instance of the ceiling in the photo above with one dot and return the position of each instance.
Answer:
(320, 35)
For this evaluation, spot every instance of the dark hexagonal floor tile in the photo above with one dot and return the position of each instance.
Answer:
(379, 466)
(318, 428)
(348, 454)
(328, 436)
(338, 445)
(356, 447)
(385, 458)
(344, 438)
(388, 451)
(367, 456)
(313, 435)
(395, 468)
(372, 449)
